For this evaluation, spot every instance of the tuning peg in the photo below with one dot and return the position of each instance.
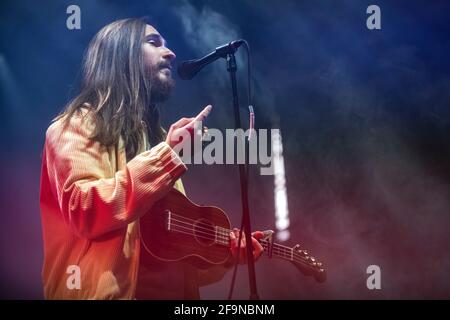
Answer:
(304, 253)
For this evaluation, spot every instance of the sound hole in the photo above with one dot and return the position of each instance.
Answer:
(204, 232)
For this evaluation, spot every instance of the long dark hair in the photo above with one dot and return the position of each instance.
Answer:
(116, 89)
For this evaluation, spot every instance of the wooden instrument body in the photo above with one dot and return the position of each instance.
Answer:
(176, 229)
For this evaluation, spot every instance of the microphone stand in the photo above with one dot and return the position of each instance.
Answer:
(243, 169)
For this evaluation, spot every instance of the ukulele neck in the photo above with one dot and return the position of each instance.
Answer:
(222, 237)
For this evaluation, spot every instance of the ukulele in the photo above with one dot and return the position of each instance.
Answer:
(177, 229)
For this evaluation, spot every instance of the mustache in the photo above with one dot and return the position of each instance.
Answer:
(163, 65)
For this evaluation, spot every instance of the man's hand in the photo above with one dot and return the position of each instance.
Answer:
(242, 256)
(185, 126)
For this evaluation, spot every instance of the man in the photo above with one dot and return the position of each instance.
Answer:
(106, 161)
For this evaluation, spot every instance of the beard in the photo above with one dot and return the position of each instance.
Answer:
(161, 86)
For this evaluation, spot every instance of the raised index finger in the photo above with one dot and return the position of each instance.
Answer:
(203, 114)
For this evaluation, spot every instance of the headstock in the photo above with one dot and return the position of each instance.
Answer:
(307, 264)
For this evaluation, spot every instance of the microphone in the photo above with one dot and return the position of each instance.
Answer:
(188, 69)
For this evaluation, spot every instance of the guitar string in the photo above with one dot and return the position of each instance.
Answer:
(221, 233)
(279, 252)
(194, 231)
(208, 236)
(192, 224)
(189, 233)
(223, 236)
(296, 259)
(219, 229)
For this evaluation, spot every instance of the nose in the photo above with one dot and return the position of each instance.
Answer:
(169, 55)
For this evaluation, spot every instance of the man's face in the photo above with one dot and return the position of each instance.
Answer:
(157, 59)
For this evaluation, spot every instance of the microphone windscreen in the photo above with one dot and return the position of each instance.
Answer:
(187, 70)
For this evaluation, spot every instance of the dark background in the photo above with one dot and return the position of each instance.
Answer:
(364, 117)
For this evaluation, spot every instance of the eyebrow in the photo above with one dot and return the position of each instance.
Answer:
(156, 36)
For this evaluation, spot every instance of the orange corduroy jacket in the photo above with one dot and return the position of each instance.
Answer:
(91, 200)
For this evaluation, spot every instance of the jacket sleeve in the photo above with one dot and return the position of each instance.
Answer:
(93, 199)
